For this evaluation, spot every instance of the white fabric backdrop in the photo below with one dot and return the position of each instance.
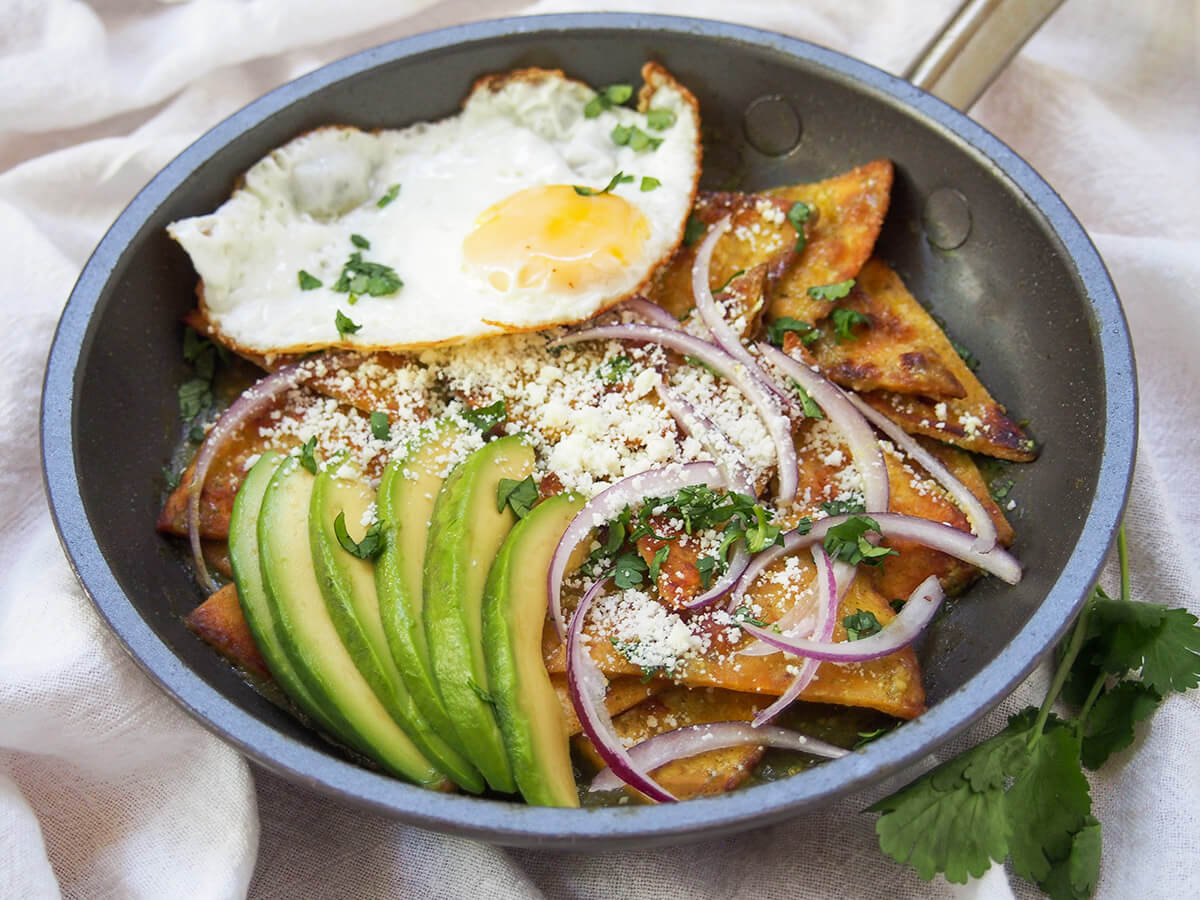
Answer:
(108, 790)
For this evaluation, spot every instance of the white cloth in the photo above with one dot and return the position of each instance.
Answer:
(107, 789)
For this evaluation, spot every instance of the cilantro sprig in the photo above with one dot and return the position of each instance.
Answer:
(848, 542)
(369, 547)
(196, 397)
(777, 328)
(485, 418)
(798, 215)
(519, 495)
(619, 178)
(1022, 794)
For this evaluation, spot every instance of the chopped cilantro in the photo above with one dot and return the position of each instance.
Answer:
(897, 604)
(693, 230)
(619, 178)
(171, 477)
(621, 134)
(387, 198)
(844, 321)
(1023, 791)
(649, 183)
(195, 396)
(848, 542)
(831, 291)
(381, 425)
(368, 548)
(639, 141)
(196, 433)
(649, 672)
(743, 615)
(629, 570)
(308, 454)
(777, 328)
(344, 324)
(798, 215)
(519, 495)
(696, 361)
(360, 242)
(615, 369)
(308, 282)
(607, 98)
(809, 406)
(861, 625)
(866, 737)
(371, 278)
(485, 418)
(999, 488)
(706, 566)
(660, 557)
(660, 119)
(849, 507)
(965, 355)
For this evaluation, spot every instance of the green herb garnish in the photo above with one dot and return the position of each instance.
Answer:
(809, 406)
(629, 570)
(371, 278)
(485, 418)
(344, 324)
(844, 320)
(195, 396)
(798, 215)
(660, 557)
(619, 178)
(848, 542)
(777, 328)
(387, 198)
(743, 615)
(308, 282)
(607, 98)
(660, 119)
(308, 454)
(844, 507)
(519, 495)
(368, 548)
(693, 230)
(831, 291)
(860, 625)
(615, 369)
(360, 242)
(649, 183)
(381, 425)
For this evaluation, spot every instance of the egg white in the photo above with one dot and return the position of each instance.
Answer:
(298, 208)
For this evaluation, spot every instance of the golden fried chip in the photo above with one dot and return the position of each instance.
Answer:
(219, 622)
(623, 692)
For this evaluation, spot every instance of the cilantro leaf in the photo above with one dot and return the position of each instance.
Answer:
(615, 369)
(639, 141)
(844, 321)
(999, 488)
(308, 282)
(850, 507)
(744, 615)
(866, 737)
(649, 183)
(195, 396)
(381, 426)
(387, 198)
(965, 355)
(1075, 876)
(520, 495)
(344, 324)
(777, 328)
(1163, 643)
(629, 571)
(831, 291)
(707, 566)
(1047, 803)
(848, 542)
(693, 230)
(619, 178)
(660, 557)
(308, 454)
(362, 277)
(1109, 725)
(368, 548)
(660, 119)
(359, 241)
(861, 625)
(620, 134)
(607, 98)
(798, 215)
(485, 418)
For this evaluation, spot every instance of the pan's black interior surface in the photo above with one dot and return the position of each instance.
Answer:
(1025, 292)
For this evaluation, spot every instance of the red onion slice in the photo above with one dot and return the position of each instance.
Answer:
(587, 686)
(713, 439)
(252, 401)
(896, 635)
(743, 378)
(864, 448)
(827, 610)
(691, 740)
(706, 304)
(977, 515)
(607, 504)
(651, 312)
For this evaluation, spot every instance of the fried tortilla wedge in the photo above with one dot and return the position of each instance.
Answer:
(891, 684)
(623, 692)
(972, 420)
(712, 772)
(900, 348)
(219, 622)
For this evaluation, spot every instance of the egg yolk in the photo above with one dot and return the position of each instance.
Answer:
(551, 238)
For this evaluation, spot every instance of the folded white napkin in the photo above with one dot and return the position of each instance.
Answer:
(107, 789)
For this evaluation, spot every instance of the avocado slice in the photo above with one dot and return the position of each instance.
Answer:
(464, 536)
(308, 636)
(514, 611)
(404, 507)
(348, 586)
(244, 557)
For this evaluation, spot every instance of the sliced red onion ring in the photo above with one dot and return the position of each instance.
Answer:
(977, 515)
(864, 448)
(607, 504)
(801, 616)
(897, 634)
(726, 366)
(587, 686)
(713, 439)
(706, 304)
(252, 401)
(690, 740)
(651, 312)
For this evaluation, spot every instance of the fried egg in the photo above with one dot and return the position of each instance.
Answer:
(542, 202)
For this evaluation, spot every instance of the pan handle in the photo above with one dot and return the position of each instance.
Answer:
(974, 47)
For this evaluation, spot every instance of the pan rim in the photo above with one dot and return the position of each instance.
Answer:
(517, 824)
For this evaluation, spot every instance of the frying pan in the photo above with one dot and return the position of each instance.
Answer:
(998, 256)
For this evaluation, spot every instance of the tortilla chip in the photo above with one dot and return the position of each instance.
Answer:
(623, 693)
(219, 622)
(216, 554)
(712, 772)
(849, 213)
(894, 350)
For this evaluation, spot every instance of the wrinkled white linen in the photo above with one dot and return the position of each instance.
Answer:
(107, 789)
